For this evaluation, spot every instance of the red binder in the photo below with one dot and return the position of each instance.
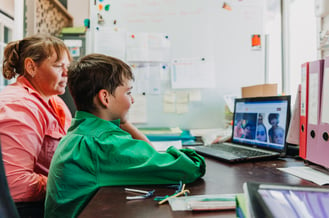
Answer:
(303, 110)
(314, 108)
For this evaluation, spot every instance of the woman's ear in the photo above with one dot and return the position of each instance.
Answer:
(104, 97)
(30, 67)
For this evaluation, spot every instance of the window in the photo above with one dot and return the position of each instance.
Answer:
(6, 35)
(64, 3)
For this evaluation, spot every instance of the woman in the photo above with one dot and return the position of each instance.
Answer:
(32, 117)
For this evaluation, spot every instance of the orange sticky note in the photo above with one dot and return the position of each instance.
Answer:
(255, 40)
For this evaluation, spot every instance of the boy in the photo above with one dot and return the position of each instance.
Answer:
(278, 135)
(96, 152)
(273, 119)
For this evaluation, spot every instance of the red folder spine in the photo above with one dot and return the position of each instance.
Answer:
(314, 105)
(303, 110)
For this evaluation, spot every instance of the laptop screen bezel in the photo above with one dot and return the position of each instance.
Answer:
(286, 98)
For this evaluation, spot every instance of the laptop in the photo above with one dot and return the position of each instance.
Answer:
(259, 131)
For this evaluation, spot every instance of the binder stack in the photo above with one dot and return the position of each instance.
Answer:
(315, 147)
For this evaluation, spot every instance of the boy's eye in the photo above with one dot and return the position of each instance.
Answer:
(61, 66)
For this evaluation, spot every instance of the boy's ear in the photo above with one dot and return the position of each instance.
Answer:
(104, 97)
(30, 67)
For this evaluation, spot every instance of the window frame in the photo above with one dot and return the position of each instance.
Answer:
(5, 22)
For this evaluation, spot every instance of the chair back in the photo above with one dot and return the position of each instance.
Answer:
(7, 205)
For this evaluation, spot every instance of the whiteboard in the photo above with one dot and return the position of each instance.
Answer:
(196, 29)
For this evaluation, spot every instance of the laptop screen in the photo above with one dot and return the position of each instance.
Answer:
(262, 122)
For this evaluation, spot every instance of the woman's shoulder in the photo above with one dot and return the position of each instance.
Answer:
(14, 94)
(19, 99)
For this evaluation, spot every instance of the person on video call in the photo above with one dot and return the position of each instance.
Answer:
(273, 119)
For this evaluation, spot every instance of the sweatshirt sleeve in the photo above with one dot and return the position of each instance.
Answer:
(135, 162)
(196, 158)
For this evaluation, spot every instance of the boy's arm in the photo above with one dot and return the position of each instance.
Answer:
(134, 132)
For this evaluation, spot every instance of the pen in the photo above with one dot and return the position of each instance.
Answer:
(147, 194)
(136, 190)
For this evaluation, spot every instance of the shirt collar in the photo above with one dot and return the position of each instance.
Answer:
(84, 115)
(26, 84)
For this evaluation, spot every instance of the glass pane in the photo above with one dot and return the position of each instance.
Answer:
(7, 34)
(1, 33)
(64, 3)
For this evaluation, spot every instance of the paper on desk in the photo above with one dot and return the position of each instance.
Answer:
(162, 146)
(209, 135)
(308, 173)
(203, 202)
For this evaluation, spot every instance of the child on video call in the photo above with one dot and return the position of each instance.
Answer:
(261, 132)
(97, 152)
(275, 133)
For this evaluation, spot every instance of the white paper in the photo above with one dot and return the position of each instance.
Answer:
(303, 92)
(148, 47)
(313, 98)
(325, 97)
(147, 78)
(209, 135)
(110, 42)
(193, 73)
(308, 173)
(162, 146)
(138, 111)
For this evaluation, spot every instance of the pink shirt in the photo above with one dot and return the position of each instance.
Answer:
(30, 130)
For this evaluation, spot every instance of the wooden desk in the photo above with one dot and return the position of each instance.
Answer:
(219, 178)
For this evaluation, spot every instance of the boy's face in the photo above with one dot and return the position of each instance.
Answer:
(278, 136)
(121, 101)
(274, 121)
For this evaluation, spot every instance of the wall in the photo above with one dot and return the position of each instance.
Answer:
(198, 29)
(7, 6)
(301, 40)
(79, 9)
(324, 28)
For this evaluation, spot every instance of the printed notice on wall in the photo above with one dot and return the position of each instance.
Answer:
(193, 73)
(110, 42)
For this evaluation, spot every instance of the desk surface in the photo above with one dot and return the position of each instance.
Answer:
(220, 178)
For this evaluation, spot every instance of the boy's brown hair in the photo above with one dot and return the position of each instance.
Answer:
(92, 73)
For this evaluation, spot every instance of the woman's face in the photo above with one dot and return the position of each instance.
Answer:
(51, 76)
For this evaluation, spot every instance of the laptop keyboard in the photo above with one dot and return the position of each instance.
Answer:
(231, 151)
